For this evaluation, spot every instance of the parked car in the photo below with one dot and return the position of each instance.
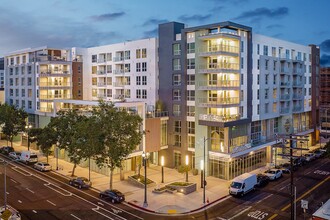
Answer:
(6, 150)
(299, 161)
(286, 168)
(318, 153)
(274, 174)
(243, 184)
(309, 157)
(112, 195)
(42, 166)
(262, 180)
(80, 182)
(14, 155)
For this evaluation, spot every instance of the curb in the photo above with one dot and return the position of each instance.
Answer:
(206, 205)
(139, 207)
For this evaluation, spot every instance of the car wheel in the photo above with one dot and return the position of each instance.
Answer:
(79, 186)
(113, 201)
(70, 183)
(101, 196)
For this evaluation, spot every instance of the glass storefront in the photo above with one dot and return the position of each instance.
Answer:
(227, 169)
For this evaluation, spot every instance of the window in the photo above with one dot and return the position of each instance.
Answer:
(177, 126)
(266, 107)
(138, 80)
(176, 110)
(191, 111)
(242, 46)
(144, 80)
(11, 81)
(258, 109)
(190, 95)
(23, 104)
(273, 51)
(127, 67)
(138, 53)
(109, 56)
(266, 64)
(29, 69)
(29, 81)
(274, 107)
(265, 50)
(275, 64)
(176, 49)
(190, 63)
(242, 79)
(258, 49)
(138, 67)
(176, 79)
(177, 159)
(258, 79)
(23, 92)
(191, 79)
(176, 64)
(177, 140)
(16, 92)
(274, 93)
(176, 94)
(127, 55)
(138, 93)
(266, 93)
(144, 94)
(274, 80)
(29, 104)
(266, 79)
(191, 127)
(127, 80)
(128, 93)
(191, 48)
(242, 62)
(144, 67)
(242, 95)
(258, 64)
(11, 92)
(258, 94)
(191, 141)
(144, 53)
(94, 58)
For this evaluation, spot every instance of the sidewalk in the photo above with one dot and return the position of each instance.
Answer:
(160, 203)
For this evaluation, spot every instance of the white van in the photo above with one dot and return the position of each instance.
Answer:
(243, 184)
(28, 157)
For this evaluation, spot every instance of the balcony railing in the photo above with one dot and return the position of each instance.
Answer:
(298, 96)
(53, 73)
(285, 84)
(118, 71)
(120, 84)
(285, 97)
(219, 48)
(55, 84)
(100, 72)
(298, 72)
(44, 58)
(219, 83)
(101, 60)
(219, 101)
(119, 58)
(219, 66)
(297, 84)
(101, 84)
(49, 97)
(297, 109)
(284, 110)
(45, 109)
(156, 114)
(219, 118)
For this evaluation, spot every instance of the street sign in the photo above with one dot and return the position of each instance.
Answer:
(304, 204)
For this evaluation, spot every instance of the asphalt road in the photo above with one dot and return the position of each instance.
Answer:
(48, 196)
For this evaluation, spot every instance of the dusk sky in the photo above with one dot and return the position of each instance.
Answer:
(86, 23)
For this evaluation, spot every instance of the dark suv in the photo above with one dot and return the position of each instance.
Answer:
(6, 150)
(262, 180)
(113, 195)
(80, 182)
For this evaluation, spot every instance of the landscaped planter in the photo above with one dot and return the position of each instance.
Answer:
(183, 187)
(138, 180)
(164, 189)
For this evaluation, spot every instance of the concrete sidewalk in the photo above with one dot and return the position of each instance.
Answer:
(161, 203)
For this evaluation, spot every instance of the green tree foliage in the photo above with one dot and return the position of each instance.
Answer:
(327, 147)
(121, 134)
(45, 138)
(12, 121)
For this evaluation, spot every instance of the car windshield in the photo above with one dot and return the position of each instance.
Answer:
(33, 156)
(45, 164)
(83, 179)
(271, 171)
(236, 185)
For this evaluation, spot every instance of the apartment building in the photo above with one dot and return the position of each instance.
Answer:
(125, 71)
(325, 102)
(230, 92)
(2, 80)
(35, 78)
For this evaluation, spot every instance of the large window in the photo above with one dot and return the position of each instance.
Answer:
(176, 94)
(191, 127)
(176, 49)
(176, 79)
(265, 50)
(144, 80)
(177, 126)
(144, 53)
(191, 111)
(138, 80)
(176, 110)
(190, 95)
(217, 139)
(191, 141)
(176, 64)
(256, 131)
(191, 48)
(144, 67)
(191, 64)
(94, 58)
(177, 140)
(177, 159)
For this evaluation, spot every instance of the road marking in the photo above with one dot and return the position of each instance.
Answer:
(13, 180)
(16, 168)
(75, 217)
(51, 202)
(19, 201)
(264, 198)
(309, 191)
(7, 193)
(34, 211)
(100, 203)
(221, 218)
(116, 211)
(97, 211)
(53, 187)
(273, 216)
(258, 214)
(29, 190)
(321, 172)
(240, 213)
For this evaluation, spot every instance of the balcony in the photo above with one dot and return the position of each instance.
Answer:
(118, 59)
(54, 74)
(285, 84)
(102, 84)
(216, 67)
(121, 84)
(47, 58)
(208, 36)
(54, 84)
(285, 97)
(219, 102)
(284, 71)
(101, 60)
(297, 109)
(297, 84)
(52, 97)
(119, 71)
(298, 72)
(218, 118)
(284, 110)
(297, 97)
(100, 72)
(119, 96)
(219, 49)
(45, 109)
(219, 84)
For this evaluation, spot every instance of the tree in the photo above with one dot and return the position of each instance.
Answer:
(184, 169)
(121, 134)
(66, 126)
(12, 121)
(327, 148)
(45, 138)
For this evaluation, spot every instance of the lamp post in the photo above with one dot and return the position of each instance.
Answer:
(162, 162)
(5, 182)
(202, 168)
(145, 157)
(28, 127)
(56, 152)
(187, 163)
(204, 174)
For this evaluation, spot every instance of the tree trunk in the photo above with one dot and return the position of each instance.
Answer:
(47, 157)
(74, 168)
(11, 141)
(111, 175)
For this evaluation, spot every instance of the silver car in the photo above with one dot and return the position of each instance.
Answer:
(14, 155)
(42, 166)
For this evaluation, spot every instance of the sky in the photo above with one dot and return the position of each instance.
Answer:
(87, 23)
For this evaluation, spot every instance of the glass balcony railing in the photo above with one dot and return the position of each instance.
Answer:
(50, 97)
(54, 84)
(219, 118)
(118, 71)
(285, 97)
(220, 101)
(297, 84)
(298, 96)
(284, 110)
(218, 66)
(219, 83)
(219, 48)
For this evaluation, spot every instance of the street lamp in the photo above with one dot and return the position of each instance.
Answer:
(145, 157)
(28, 127)
(202, 168)
(56, 152)
(204, 174)
(162, 162)
(187, 163)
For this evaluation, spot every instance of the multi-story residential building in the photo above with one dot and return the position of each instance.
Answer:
(125, 71)
(325, 101)
(2, 80)
(35, 78)
(230, 92)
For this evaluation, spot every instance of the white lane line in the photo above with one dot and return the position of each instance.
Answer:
(100, 203)
(240, 213)
(51, 202)
(34, 211)
(97, 211)
(19, 201)
(283, 187)
(58, 189)
(29, 190)
(13, 180)
(7, 193)
(264, 198)
(75, 217)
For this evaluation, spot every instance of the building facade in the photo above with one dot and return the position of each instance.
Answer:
(325, 102)
(232, 92)
(2, 80)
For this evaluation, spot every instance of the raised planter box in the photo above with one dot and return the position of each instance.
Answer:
(183, 187)
(164, 189)
(139, 181)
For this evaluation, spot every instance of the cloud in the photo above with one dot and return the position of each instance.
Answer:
(187, 18)
(325, 46)
(234, 2)
(154, 21)
(263, 12)
(108, 16)
(325, 60)
(217, 9)
(272, 26)
(151, 33)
